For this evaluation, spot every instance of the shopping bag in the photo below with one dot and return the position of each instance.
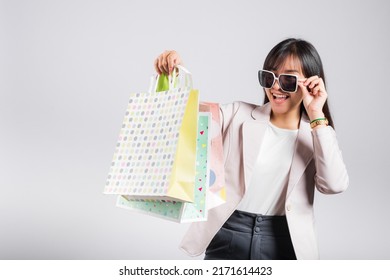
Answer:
(217, 194)
(155, 153)
(182, 211)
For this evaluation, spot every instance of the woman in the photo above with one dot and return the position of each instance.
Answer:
(275, 156)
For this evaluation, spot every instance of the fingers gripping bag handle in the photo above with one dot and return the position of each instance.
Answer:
(179, 78)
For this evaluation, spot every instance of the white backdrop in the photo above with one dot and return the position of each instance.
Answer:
(66, 71)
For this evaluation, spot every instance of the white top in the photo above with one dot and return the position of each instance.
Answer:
(266, 192)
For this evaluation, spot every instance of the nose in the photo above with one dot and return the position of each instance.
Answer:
(276, 85)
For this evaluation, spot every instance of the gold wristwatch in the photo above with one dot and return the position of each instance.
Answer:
(322, 121)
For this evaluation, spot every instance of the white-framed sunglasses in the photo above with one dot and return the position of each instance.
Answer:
(287, 82)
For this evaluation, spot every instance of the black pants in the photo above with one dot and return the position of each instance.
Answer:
(247, 236)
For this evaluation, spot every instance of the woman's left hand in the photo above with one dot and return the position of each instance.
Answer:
(314, 96)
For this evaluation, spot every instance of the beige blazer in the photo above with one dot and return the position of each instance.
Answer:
(317, 163)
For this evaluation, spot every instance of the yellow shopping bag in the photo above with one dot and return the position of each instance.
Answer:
(182, 182)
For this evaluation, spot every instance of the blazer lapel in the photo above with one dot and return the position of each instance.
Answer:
(253, 132)
(303, 153)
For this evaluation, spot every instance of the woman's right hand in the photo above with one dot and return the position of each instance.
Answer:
(166, 62)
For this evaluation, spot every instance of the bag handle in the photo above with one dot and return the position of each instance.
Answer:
(187, 76)
(165, 82)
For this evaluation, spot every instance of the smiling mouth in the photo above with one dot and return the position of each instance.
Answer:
(280, 96)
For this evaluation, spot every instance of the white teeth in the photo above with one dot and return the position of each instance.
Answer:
(279, 95)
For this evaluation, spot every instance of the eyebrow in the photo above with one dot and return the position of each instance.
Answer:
(286, 71)
(291, 71)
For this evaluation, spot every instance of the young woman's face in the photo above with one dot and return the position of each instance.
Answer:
(285, 102)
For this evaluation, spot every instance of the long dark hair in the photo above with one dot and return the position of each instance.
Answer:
(310, 62)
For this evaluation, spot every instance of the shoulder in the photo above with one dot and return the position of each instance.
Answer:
(245, 109)
(230, 109)
(239, 112)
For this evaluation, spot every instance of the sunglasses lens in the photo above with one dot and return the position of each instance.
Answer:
(288, 83)
(266, 79)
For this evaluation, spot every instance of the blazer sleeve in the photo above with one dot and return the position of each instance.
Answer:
(331, 173)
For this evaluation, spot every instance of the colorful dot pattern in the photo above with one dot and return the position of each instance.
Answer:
(182, 211)
(144, 153)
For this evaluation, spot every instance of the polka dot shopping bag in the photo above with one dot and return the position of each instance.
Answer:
(155, 155)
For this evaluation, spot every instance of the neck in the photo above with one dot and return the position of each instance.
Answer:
(289, 120)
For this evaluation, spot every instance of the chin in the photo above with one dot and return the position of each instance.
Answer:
(279, 110)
